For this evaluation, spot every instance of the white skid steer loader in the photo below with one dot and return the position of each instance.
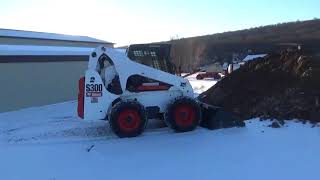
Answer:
(127, 94)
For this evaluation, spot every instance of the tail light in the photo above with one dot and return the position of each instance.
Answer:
(81, 97)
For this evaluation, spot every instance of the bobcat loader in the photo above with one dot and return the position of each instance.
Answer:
(127, 94)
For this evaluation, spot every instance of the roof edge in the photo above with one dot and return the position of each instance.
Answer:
(58, 34)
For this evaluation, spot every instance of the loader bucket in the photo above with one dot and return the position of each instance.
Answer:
(217, 118)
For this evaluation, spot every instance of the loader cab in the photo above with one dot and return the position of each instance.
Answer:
(109, 74)
(153, 55)
(135, 83)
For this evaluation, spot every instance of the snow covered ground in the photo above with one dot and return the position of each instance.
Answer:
(52, 143)
(200, 86)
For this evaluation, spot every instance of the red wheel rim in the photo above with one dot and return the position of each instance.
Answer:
(129, 120)
(184, 115)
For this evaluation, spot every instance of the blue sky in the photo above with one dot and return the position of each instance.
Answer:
(139, 21)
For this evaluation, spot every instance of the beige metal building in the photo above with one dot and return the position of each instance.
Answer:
(41, 68)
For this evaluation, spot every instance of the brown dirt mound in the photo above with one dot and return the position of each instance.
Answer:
(280, 86)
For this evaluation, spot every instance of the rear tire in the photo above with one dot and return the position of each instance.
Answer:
(128, 119)
(183, 115)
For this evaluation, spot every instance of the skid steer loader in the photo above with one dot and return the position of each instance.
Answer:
(127, 94)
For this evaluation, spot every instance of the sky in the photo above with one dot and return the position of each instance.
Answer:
(142, 21)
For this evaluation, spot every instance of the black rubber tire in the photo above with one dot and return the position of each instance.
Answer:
(128, 119)
(180, 122)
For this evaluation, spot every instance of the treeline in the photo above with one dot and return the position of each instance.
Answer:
(190, 53)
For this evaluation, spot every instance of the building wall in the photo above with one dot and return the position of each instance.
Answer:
(45, 42)
(38, 83)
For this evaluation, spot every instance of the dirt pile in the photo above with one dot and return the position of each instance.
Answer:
(282, 85)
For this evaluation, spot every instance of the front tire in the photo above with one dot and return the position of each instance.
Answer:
(183, 115)
(128, 119)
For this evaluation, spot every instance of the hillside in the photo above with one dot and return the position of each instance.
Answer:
(190, 53)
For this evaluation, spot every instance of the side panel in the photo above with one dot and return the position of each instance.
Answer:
(154, 98)
(128, 68)
(97, 99)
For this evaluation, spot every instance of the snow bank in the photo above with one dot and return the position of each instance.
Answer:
(200, 86)
(253, 57)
